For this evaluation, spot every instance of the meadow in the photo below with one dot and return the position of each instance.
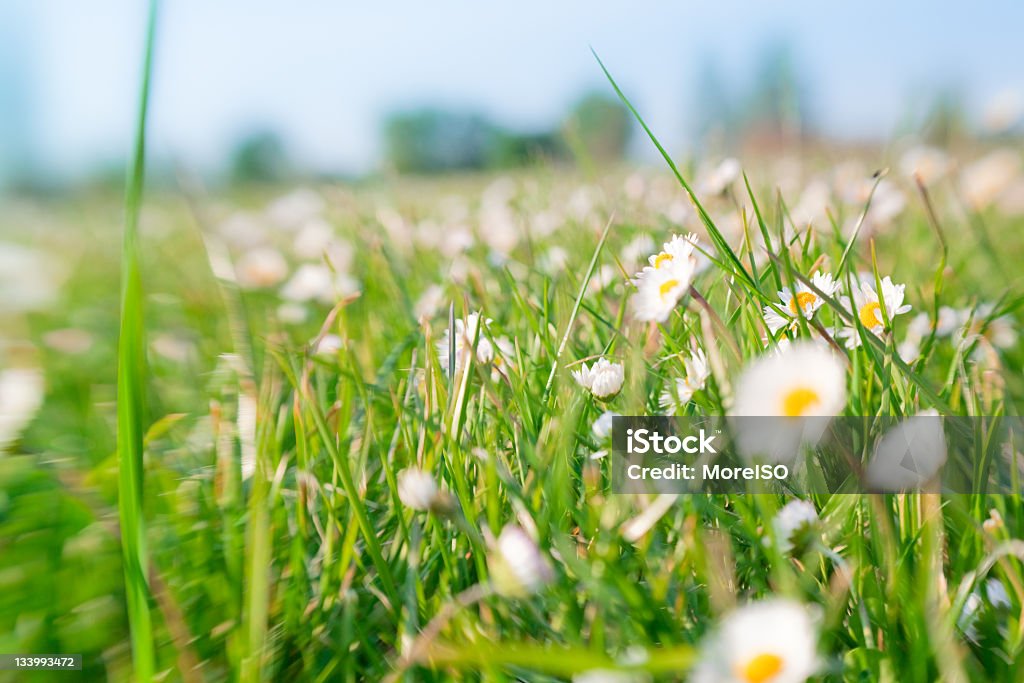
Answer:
(365, 427)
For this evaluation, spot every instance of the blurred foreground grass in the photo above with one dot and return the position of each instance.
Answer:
(299, 365)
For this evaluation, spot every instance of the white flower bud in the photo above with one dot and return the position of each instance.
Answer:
(518, 567)
(795, 524)
(418, 490)
(604, 380)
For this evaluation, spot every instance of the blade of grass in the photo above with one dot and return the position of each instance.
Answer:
(575, 311)
(131, 382)
(713, 232)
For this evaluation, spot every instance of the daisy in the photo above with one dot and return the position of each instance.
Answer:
(795, 525)
(468, 332)
(637, 249)
(865, 305)
(802, 382)
(317, 282)
(982, 181)
(659, 290)
(518, 566)
(772, 641)
(295, 209)
(505, 351)
(21, 396)
(429, 302)
(908, 455)
(261, 267)
(329, 345)
(676, 254)
(717, 180)
(804, 302)
(69, 340)
(927, 163)
(682, 389)
(921, 326)
(602, 427)
(603, 380)
(292, 313)
(418, 490)
(976, 325)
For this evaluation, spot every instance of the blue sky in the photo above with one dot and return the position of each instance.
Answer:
(323, 73)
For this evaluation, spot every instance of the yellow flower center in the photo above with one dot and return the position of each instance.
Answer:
(661, 258)
(762, 668)
(798, 401)
(667, 286)
(803, 299)
(870, 314)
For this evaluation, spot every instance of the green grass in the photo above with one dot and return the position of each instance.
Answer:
(132, 381)
(272, 525)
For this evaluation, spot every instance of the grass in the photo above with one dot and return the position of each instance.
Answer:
(273, 525)
(131, 388)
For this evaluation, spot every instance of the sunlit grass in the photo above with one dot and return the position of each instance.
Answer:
(132, 383)
(274, 515)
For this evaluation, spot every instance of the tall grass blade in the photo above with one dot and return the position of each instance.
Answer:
(131, 382)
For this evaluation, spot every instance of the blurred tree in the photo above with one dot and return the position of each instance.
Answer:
(523, 149)
(599, 126)
(434, 140)
(260, 157)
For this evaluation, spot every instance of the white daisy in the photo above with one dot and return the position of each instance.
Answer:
(418, 490)
(553, 261)
(715, 181)
(637, 249)
(773, 641)
(294, 209)
(908, 455)
(865, 305)
(976, 325)
(518, 566)
(680, 391)
(921, 326)
(466, 332)
(21, 396)
(676, 254)
(659, 291)
(505, 351)
(316, 282)
(429, 302)
(805, 301)
(29, 278)
(927, 163)
(805, 381)
(795, 525)
(292, 313)
(329, 345)
(260, 267)
(603, 380)
(69, 340)
(812, 207)
(982, 181)
(602, 427)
